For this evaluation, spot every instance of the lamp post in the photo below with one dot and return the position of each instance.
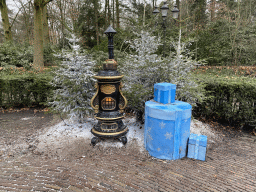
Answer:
(164, 11)
(156, 11)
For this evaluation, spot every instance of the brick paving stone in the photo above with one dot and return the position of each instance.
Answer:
(61, 184)
(53, 187)
(88, 189)
(225, 169)
(66, 190)
(75, 189)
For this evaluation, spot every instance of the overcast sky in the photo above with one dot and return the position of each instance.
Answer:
(11, 3)
(14, 4)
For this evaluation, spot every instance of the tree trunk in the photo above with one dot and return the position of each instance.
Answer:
(144, 13)
(38, 35)
(96, 20)
(38, 61)
(109, 13)
(5, 20)
(106, 15)
(113, 7)
(213, 2)
(46, 38)
(26, 20)
(62, 21)
(178, 6)
(117, 14)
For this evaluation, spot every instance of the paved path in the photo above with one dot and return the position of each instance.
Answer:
(230, 166)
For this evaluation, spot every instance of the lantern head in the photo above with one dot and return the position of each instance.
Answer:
(164, 10)
(175, 12)
(156, 11)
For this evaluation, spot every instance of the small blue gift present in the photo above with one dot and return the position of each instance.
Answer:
(197, 146)
(164, 93)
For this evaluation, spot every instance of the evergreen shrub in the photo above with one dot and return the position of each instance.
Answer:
(144, 68)
(231, 99)
(24, 90)
(74, 87)
(14, 55)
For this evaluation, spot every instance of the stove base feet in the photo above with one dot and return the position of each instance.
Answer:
(95, 140)
(123, 139)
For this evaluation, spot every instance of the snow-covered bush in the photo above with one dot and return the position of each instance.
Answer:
(74, 84)
(144, 68)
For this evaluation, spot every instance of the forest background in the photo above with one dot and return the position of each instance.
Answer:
(218, 34)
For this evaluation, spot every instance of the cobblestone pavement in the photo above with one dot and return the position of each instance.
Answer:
(230, 166)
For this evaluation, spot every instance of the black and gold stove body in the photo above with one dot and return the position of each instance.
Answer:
(109, 102)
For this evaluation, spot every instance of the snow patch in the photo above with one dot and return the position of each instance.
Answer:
(62, 133)
(26, 118)
(201, 128)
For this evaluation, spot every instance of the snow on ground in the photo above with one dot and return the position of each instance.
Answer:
(201, 128)
(67, 132)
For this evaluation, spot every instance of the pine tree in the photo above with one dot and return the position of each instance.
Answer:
(74, 84)
(147, 68)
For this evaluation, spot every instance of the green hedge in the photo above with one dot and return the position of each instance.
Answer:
(231, 99)
(24, 90)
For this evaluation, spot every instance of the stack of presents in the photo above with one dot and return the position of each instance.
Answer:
(167, 127)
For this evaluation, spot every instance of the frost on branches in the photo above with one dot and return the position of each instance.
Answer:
(145, 68)
(74, 87)
(140, 68)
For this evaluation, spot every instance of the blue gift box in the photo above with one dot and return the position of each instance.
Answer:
(197, 146)
(167, 129)
(164, 93)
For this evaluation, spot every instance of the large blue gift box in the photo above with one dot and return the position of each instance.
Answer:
(197, 146)
(167, 128)
(167, 124)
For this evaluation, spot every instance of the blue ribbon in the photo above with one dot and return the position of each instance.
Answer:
(197, 146)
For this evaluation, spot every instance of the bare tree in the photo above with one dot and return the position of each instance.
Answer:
(27, 20)
(5, 20)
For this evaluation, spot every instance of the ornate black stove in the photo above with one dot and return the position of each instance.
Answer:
(109, 102)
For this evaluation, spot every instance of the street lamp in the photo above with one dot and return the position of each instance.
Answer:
(164, 11)
(175, 12)
(156, 11)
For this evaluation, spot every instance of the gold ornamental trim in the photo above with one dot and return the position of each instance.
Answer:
(108, 77)
(108, 89)
(110, 82)
(116, 126)
(96, 107)
(109, 119)
(125, 100)
(109, 134)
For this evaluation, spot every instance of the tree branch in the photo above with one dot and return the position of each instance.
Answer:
(18, 11)
(15, 18)
(46, 2)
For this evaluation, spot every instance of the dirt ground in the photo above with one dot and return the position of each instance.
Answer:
(77, 166)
